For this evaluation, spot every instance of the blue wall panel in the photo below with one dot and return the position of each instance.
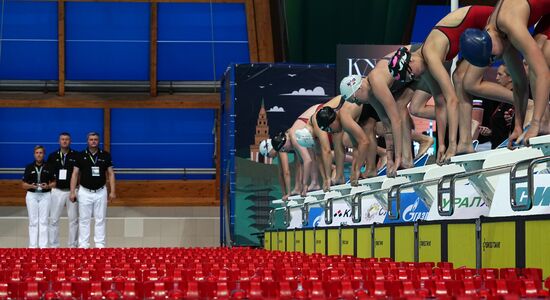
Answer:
(426, 18)
(162, 138)
(23, 128)
(229, 21)
(107, 41)
(197, 41)
(185, 61)
(29, 41)
(184, 22)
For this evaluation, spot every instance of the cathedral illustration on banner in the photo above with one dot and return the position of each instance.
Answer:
(262, 133)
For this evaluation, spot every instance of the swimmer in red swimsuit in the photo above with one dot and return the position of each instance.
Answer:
(442, 46)
(307, 178)
(506, 35)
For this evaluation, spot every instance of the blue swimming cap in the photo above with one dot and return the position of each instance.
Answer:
(476, 47)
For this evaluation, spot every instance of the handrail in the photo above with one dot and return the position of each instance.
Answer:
(162, 171)
(514, 180)
(394, 194)
(451, 189)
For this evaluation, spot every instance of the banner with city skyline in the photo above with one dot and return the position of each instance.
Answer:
(268, 99)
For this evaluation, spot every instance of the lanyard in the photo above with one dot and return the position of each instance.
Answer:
(92, 158)
(38, 173)
(62, 158)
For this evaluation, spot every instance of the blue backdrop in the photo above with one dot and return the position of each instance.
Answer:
(140, 138)
(110, 41)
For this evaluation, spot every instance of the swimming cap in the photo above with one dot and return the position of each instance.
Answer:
(304, 138)
(265, 147)
(476, 47)
(349, 85)
(399, 65)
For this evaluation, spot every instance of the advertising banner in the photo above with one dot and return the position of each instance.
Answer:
(541, 202)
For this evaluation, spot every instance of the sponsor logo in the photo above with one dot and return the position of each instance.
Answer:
(541, 196)
(411, 215)
(425, 243)
(345, 242)
(379, 243)
(374, 210)
(490, 245)
(360, 66)
(345, 214)
(465, 202)
(318, 241)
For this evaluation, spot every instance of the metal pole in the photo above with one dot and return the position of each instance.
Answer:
(478, 244)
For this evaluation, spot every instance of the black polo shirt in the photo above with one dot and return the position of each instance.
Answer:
(34, 171)
(59, 162)
(93, 168)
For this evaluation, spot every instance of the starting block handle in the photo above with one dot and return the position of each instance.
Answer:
(305, 214)
(530, 178)
(286, 219)
(394, 194)
(329, 204)
(514, 181)
(441, 190)
(271, 217)
(356, 208)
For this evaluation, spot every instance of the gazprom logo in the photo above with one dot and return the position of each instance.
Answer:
(541, 196)
(411, 215)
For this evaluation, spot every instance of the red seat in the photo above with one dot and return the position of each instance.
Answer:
(66, 291)
(95, 291)
(3, 291)
(31, 292)
(129, 290)
(192, 290)
(501, 288)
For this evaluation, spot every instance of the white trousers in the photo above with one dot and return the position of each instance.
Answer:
(91, 204)
(38, 205)
(59, 200)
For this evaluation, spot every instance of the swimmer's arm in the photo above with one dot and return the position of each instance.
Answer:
(393, 125)
(325, 164)
(520, 83)
(339, 155)
(284, 174)
(361, 141)
(540, 80)
(475, 85)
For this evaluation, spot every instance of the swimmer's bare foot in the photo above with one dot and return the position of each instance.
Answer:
(440, 158)
(406, 165)
(465, 149)
(304, 191)
(369, 174)
(451, 151)
(339, 181)
(295, 192)
(314, 187)
(425, 145)
(533, 131)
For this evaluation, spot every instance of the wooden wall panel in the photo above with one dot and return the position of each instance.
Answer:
(116, 100)
(137, 193)
(264, 32)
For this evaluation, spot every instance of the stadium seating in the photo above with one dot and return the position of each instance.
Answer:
(243, 273)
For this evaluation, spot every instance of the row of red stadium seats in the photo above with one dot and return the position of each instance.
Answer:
(240, 273)
(277, 290)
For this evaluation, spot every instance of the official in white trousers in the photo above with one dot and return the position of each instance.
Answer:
(92, 169)
(62, 162)
(59, 200)
(38, 180)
